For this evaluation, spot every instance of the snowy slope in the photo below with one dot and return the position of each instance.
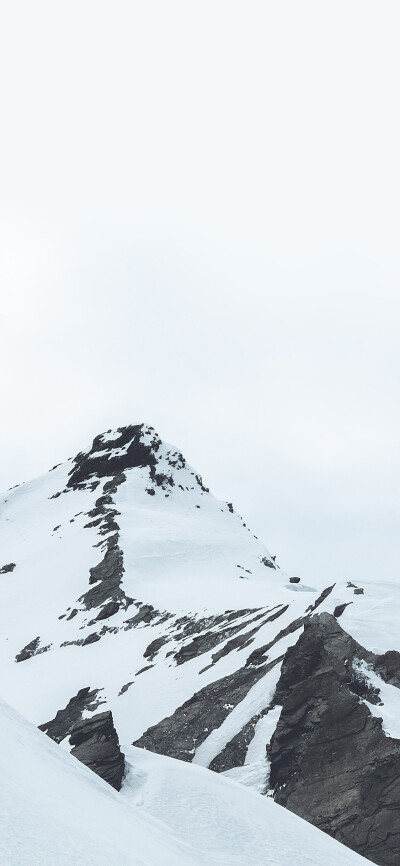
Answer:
(55, 812)
(120, 572)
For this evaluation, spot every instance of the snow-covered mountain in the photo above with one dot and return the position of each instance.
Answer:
(124, 574)
(125, 586)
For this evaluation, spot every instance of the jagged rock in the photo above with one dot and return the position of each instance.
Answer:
(340, 608)
(101, 463)
(145, 614)
(243, 640)
(65, 719)
(190, 625)
(259, 655)
(142, 670)
(154, 647)
(6, 569)
(125, 688)
(95, 743)
(235, 751)
(324, 594)
(91, 638)
(270, 563)
(388, 667)
(32, 648)
(180, 734)
(238, 642)
(107, 578)
(28, 651)
(109, 609)
(204, 642)
(294, 580)
(331, 762)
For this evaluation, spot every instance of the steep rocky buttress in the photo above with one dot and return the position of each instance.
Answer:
(331, 761)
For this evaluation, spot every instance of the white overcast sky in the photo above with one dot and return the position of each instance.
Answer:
(199, 220)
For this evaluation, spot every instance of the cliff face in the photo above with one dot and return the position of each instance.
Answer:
(93, 740)
(331, 760)
(95, 743)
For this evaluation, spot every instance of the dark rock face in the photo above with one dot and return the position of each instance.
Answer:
(109, 609)
(91, 638)
(388, 667)
(324, 594)
(6, 569)
(224, 626)
(107, 578)
(180, 734)
(340, 608)
(154, 647)
(234, 753)
(32, 648)
(142, 670)
(125, 688)
(331, 762)
(65, 719)
(145, 614)
(259, 655)
(202, 643)
(245, 639)
(102, 461)
(95, 743)
(29, 650)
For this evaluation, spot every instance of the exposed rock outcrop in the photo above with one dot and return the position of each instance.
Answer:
(8, 568)
(388, 667)
(331, 761)
(127, 451)
(180, 734)
(95, 743)
(65, 719)
(106, 578)
(94, 740)
(32, 648)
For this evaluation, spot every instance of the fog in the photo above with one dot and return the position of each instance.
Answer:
(199, 228)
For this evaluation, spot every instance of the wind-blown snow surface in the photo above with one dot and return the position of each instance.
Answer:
(132, 579)
(55, 812)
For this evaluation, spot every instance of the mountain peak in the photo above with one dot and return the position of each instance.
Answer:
(131, 447)
(114, 451)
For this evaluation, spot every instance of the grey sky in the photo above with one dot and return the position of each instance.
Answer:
(199, 227)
